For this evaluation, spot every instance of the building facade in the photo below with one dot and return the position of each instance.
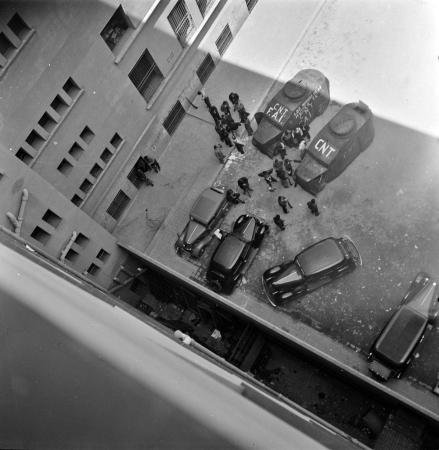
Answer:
(86, 89)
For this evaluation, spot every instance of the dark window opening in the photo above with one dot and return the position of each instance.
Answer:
(82, 240)
(40, 235)
(59, 105)
(96, 170)
(6, 46)
(65, 167)
(118, 205)
(102, 255)
(72, 256)
(146, 76)
(106, 155)
(93, 269)
(86, 185)
(18, 26)
(224, 40)
(206, 68)
(87, 135)
(47, 122)
(76, 200)
(24, 156)
(132, 176)
(51, 218)
(174, 118)
(139, 287)
(35, 140)
(116, 140)
(71, 88)
(181, 22)
(251, 4)
(204, 6)
(76, 151)
(115, 28)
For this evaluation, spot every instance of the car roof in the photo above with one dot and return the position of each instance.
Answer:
(228, 252)
(207, 205)
(400, 336)
(320, 256)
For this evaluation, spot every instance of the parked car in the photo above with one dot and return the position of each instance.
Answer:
(206, 214)
(312, 268)
(392, 351)
(231, 255)
(336, 145)
(300, 100)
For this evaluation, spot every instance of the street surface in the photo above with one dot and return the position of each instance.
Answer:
(386, 201)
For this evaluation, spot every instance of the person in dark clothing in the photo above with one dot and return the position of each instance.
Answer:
(284, 203)
(282, 175)
(277, 164)
(245, 186)
(234, 98)
(142, 164)
(289, 170)
(153, 163)
(205, 98)
(218, 150)
(223, 134)
(305, 131)
(233, 197)
(279, 222)
(215, 113)
(280, 149)
(239, 145)
(269, 179)
(225, 108)
(312, 206)
(229, 123)
(287, 138)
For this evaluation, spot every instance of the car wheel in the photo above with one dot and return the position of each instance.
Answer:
(215, 285)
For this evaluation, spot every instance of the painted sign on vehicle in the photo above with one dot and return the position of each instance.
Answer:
(278, 113)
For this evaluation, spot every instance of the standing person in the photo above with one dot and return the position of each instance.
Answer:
(280, 172)
(223, 133)
(269, 179)
(239, 145)
(234, 98)
(288, 170)
(277, 164)
(279, 222)
(302, 149)
(287, 138)
(214, 113)
(243, 116)
(312, 206)
(245, 186)
(225, 108)
(284, 203)
(205, 98)
(280, 149)
(305, 131)
(218, 150)
(233, 197)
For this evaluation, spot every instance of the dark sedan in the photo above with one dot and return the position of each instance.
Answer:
(336, 145)
(205, 215)
(312, 268)
(300, 100)
(392, 351)
(234, 251)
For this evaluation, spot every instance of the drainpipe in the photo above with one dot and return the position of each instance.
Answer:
(17, 222)
(62, 257)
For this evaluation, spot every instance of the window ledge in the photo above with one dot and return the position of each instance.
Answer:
(12, 58)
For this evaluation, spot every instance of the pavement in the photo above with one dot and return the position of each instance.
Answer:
(386, 201)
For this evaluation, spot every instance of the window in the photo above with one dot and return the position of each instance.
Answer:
(115, 28)
(47, 122)
(251, 4)
(181, 22)
(65, 167)
(51, 218)
(118, 205)
(76, 151)
(24, 156)
(174, 118)
(86, 185)
(146, 76)
(106, 155)
(116, 140)
(224, 40)
(18, 26)
(133, 177)
(96, 170)
(102, 255)
(72, 256)
(203, 6)
(76, 200)
(71, 88)
(6, 47)
(59, 105)
(40, 235)
(35, 140)
(206, 68)
(87, 135)
(93, 269)
(82, 240)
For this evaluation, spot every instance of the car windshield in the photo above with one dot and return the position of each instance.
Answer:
(207, 205)
(321, 256)
(291, 274)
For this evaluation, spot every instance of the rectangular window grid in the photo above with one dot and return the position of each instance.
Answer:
(206, 68)
(181, 22)
(224, 40)
(204, 6)
(174, 118)
(118, 205)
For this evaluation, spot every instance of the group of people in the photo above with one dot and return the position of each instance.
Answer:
(146, 164)
(225, 124)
